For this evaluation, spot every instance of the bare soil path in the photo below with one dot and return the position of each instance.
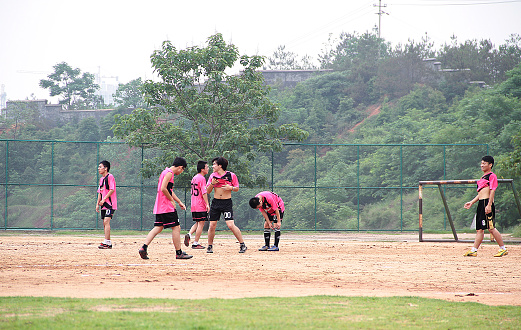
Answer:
(344, 264)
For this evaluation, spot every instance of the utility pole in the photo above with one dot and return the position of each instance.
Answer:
(380, 13)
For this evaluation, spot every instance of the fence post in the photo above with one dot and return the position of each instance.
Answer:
(6, 181)
(52, 185)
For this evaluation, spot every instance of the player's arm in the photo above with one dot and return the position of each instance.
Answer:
(209, 187)
(469, 204)
(97, 202)
(279, 220)
(230, 188)
(164, 189)
(205, 198)
(488, 207)
(103, 200)
(266, 218)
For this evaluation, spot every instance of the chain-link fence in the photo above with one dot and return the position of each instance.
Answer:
(346, 187)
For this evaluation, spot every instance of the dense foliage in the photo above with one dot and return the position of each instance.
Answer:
(384, 119)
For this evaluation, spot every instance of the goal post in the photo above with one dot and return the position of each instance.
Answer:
(439, 183)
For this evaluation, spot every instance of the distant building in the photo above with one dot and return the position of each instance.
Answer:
(41, 109)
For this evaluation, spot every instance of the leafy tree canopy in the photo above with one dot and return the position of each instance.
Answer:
(130, 95)
(200, 112)
(76, 89)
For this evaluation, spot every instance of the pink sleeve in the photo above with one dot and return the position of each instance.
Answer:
(493, 182)
(112, 182)
(235, 181)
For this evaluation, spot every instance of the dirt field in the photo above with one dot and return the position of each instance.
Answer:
(343, 264)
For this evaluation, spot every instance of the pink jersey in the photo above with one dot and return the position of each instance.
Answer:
(163, 204)
(198, 190)
(271, 202)
(110, 182)
(488, 180)
(227, 178)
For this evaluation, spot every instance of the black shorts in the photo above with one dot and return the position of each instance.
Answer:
(108, 213)
(485, 221)
(167, 220)
(273, 217)
(221, 206)
(199, 216)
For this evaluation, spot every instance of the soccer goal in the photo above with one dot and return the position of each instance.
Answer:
(447, 211)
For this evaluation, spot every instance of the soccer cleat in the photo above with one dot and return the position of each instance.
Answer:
(197, 246)
(273, 248)
(243, 249)
(501, 252)
(104, 246)
(187, 239)
(470, 253)
(143, 253)
(209, 249)
(264, 248)
(183, 255)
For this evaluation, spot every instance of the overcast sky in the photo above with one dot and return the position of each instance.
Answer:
(115, 38)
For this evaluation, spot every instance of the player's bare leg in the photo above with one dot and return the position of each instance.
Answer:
(497, 236)
(156, 230)
(199, 230)
(211, 235)
(480, 234)
(237, 232)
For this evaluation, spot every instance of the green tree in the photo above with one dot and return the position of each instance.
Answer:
(199, 111)
(286, 60)
(74, 87)
(130, 95)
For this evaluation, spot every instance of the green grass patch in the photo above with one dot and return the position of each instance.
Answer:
(317, 312)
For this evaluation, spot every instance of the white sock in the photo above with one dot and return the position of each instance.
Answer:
(502, 247)
(196, 243)
(474, 249)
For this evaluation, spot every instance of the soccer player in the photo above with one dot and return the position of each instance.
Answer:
(272, 208)
(199, 204)
(223, 182)
(164, 209)
(485, 213)
(107, 200)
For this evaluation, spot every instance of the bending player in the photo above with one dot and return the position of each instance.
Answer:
(486, 212)
(223, 182)
(272, 208)
(199, 204)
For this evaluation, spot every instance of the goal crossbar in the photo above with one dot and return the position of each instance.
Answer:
(439, 183)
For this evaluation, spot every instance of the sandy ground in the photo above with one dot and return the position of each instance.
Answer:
(344, 264)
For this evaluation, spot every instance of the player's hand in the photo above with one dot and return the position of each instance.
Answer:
(488, 209)
(467, 205)
(97, 208)
(182, 206)
(207, 208)
(214, 181)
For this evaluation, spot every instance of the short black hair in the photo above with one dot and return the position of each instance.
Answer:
(221, 161)
(201, 165)
(488, 159)
(254, 202)
(179, 161)
(106, 164)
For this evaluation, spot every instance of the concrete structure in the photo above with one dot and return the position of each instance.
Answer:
(289, 78)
